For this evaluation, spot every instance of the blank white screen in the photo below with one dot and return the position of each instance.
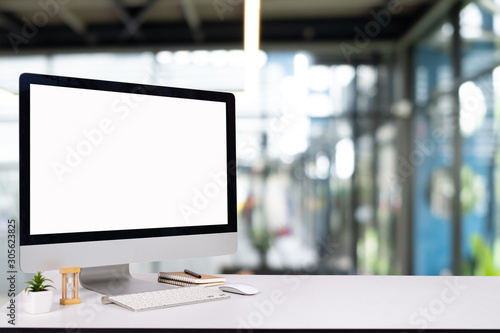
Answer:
(115, 161)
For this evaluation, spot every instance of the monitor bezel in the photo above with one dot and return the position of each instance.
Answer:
(25, 81)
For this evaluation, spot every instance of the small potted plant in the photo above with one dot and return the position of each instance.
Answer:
(37, 298)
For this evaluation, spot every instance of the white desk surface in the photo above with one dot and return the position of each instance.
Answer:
(300, 302)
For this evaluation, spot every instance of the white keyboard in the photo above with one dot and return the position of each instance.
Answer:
(166, 298)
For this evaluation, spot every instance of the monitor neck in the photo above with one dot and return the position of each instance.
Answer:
(115, 280)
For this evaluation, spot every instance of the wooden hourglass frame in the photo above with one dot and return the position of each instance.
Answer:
(65, 271)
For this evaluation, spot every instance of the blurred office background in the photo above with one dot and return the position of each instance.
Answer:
(366, 130)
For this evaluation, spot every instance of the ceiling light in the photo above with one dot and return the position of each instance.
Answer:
(252, 25)
(182, 57)
(200, 58)
(164, 57)
(251, 45)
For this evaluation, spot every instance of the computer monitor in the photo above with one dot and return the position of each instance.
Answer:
(113, 173)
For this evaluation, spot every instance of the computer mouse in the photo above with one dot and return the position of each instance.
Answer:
(239, 288)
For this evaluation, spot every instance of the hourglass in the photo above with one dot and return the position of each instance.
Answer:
(69, 285)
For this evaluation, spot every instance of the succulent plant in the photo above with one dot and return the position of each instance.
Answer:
(38, 283)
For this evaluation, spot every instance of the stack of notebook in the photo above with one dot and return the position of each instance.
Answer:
(184, 279)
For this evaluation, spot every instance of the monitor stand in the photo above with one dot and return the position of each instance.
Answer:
(116, 280)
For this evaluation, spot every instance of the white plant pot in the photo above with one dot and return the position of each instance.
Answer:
(35, 302)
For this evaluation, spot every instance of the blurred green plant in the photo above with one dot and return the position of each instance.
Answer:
(367, 249)
(481, 262)
(473, 189)
(262, 239)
